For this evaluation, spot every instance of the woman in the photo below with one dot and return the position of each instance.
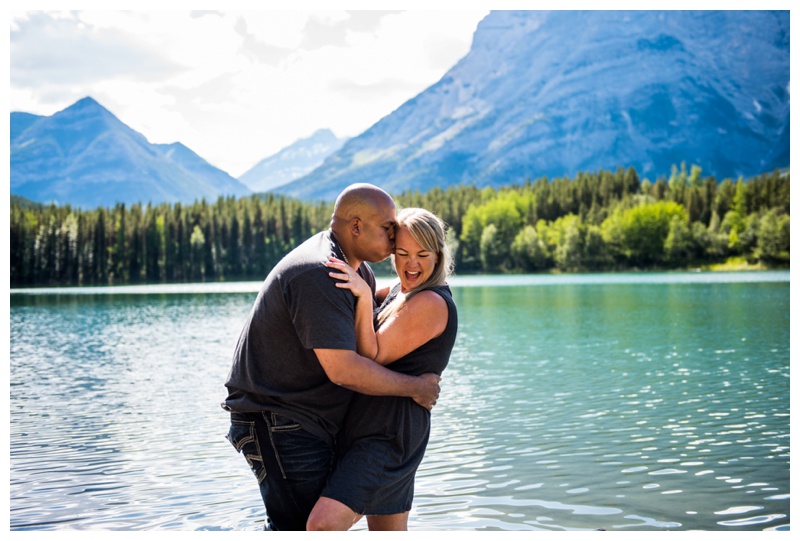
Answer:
(383, 439)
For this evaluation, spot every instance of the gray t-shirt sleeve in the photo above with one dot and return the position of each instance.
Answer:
(323, 314)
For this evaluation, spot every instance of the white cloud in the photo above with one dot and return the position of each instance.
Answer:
(234, 86)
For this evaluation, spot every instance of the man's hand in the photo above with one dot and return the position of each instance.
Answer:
(349, 369)
(428, 391)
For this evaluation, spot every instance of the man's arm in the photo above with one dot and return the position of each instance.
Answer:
(351, 370)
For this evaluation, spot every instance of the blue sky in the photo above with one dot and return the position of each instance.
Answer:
(234, 85)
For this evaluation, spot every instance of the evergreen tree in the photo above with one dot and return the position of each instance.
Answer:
(594, 221)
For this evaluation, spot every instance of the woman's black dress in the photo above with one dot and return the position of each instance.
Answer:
(383, 439)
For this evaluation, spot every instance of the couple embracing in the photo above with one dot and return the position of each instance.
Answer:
(333, 381)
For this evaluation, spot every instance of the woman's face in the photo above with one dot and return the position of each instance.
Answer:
(414, 264)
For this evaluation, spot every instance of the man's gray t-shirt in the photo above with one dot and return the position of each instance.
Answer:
(299, 308)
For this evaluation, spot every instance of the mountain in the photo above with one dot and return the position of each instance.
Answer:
(86, 157)
(24, 202)
(20, 122)
(292, 162)
(555, 93)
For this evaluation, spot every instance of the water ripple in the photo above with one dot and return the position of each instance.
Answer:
(575, 407)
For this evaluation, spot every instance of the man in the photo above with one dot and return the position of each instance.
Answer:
(295, 366)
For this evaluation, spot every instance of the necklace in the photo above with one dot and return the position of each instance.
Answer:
(341, 250)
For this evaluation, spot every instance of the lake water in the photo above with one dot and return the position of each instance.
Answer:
(575, 402)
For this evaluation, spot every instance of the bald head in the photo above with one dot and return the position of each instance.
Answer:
(359, 200)
(363, 223)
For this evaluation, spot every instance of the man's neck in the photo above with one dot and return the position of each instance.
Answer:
(353, 262)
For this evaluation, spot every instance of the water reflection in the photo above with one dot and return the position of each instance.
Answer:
(566, 406)
(599, 407)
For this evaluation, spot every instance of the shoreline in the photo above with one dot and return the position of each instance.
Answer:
(683, 276)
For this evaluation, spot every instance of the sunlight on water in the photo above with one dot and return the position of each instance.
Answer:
(569, 404)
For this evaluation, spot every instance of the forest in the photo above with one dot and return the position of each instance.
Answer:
(595, 222)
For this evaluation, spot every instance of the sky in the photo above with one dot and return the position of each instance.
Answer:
(235, 86)
(238, 84)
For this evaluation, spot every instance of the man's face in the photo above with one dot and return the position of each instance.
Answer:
(376, 241)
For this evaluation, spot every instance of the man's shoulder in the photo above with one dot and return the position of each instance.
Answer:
(318, 245)
(365, 271)
(308, 255)
(304, 270)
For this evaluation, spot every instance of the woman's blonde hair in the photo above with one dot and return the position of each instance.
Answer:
(430, 233)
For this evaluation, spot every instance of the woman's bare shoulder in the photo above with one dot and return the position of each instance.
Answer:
(429, 301)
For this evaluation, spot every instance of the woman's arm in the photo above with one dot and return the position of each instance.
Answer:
(422, 318)
(366, 342)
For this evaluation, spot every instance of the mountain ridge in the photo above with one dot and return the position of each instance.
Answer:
(634, 88)
(85, 156)
(531, 99)
(292, 162)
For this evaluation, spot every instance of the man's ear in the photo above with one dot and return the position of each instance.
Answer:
(355, 227)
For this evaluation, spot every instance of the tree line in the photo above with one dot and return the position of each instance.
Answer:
(602, 221)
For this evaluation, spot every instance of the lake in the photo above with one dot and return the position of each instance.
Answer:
(642, 401)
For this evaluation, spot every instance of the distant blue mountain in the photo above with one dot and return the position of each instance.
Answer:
(86, 157)
(20, 122)
(292, 162)
(555, 93)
